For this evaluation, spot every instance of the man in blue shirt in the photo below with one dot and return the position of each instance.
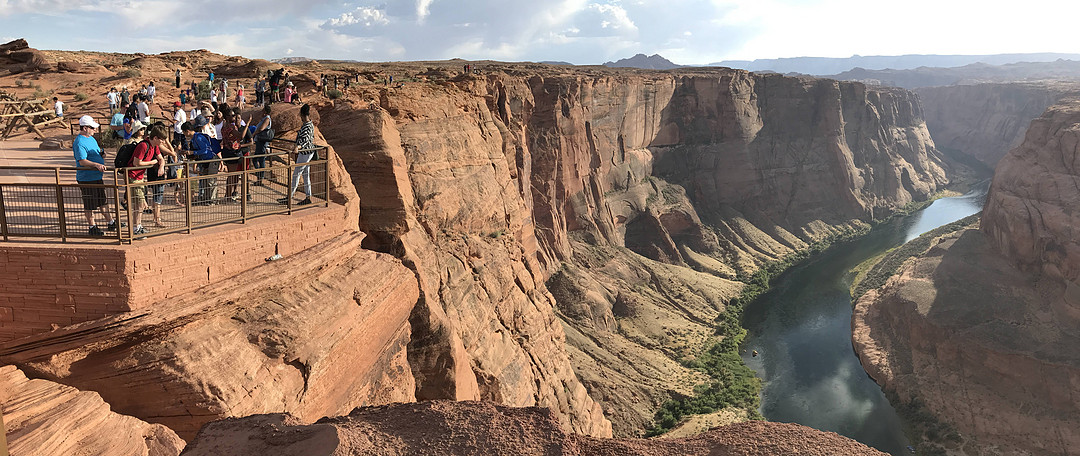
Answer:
(88, 155)
(117, 122)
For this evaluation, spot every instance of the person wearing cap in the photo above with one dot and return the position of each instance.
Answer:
(91, 185)
(147, 152)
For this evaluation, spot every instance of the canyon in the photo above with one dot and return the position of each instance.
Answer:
(532, 236)
(980, 327)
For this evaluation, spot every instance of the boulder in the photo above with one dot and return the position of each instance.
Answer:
(69, 67)
(56, 143)
(14, 45)
(42, 417)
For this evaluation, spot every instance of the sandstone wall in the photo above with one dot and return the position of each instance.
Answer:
(485, 186)
(986, 121)
(983, 326)
(53, 285)
(46, 418)
(316, 333)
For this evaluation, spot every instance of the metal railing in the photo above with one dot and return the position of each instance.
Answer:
(199, 196)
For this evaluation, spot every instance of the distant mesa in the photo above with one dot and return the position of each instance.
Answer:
(645, 62)
(555, 62)
(822, 66)
(292, 60)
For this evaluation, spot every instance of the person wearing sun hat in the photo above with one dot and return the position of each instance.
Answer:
(88, 155)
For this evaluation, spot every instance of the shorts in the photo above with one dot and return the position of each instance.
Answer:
(93, 197)
(138, 193)
(158, 193)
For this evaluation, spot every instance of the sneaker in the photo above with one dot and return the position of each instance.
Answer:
(140, 230)
(95, 231)
(283, 201)
(112, 226)
(306, 201)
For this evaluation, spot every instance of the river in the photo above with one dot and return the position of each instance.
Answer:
(801, 330)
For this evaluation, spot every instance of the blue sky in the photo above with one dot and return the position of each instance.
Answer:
(577, 31)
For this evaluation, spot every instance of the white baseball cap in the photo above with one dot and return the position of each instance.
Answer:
(88, 121)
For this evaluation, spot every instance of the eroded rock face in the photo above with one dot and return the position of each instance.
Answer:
(314, 334)
(986, 121)
(43, 417)
(983, 327)
(1033, 209)
(487, 186)
(482, 428)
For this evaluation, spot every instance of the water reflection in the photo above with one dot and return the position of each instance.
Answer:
(801, 330)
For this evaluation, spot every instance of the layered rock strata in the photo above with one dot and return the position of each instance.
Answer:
(985, 121)
(982, 327)
(43, 418)
(314, 334)
(480, 428)
(651, 191)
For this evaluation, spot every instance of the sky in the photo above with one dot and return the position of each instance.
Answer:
(576, 31)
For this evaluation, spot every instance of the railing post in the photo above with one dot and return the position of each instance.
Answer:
(116, 202)
(127, 197)
(187, 194)
(326, 175)
(60, 206)
(3, 216)
(243, 188)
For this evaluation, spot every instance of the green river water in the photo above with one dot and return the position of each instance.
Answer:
(801, 330)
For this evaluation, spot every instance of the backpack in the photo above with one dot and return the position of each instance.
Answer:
(132, 112)
(123, 156)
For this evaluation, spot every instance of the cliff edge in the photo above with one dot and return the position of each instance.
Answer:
(981, 328)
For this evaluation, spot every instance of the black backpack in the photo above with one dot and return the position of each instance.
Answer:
(132, 112)
(123, 156)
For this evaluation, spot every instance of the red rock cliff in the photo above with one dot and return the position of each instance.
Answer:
(486, 186)
(983, 327)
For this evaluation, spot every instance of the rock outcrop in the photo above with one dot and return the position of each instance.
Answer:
(983, 327)
(985, 121)
(314, 334)
(481, 428)
(653, 190)
(45, 418)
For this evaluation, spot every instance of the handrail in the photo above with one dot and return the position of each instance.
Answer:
(23, 212)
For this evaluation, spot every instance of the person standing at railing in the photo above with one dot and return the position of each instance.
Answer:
(146, 153)
(264, 133)
(165, 155)
(305, 151)
(202, 150)
(88, 155)
(179, 117)
(231, 144)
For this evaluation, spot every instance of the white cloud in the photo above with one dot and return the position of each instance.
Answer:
(366, 16)
(289, 51)
(423, 9)
(615, 17)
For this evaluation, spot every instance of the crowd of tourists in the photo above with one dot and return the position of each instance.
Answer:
(207, 130)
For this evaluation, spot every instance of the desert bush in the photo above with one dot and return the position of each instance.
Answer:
(19, 83)
(79, 96)
(334, 94)
(130, 73)
(204, 90)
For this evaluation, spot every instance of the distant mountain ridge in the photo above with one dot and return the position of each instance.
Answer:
(820, 66)
(967, 74)
(646, 62)
(291, 60)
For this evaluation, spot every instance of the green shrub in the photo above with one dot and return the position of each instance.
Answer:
(19, 83)
(130, 73)
(81, 96)
(334, 94)
(204, 90)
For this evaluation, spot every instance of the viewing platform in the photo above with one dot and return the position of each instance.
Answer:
(60, 275)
